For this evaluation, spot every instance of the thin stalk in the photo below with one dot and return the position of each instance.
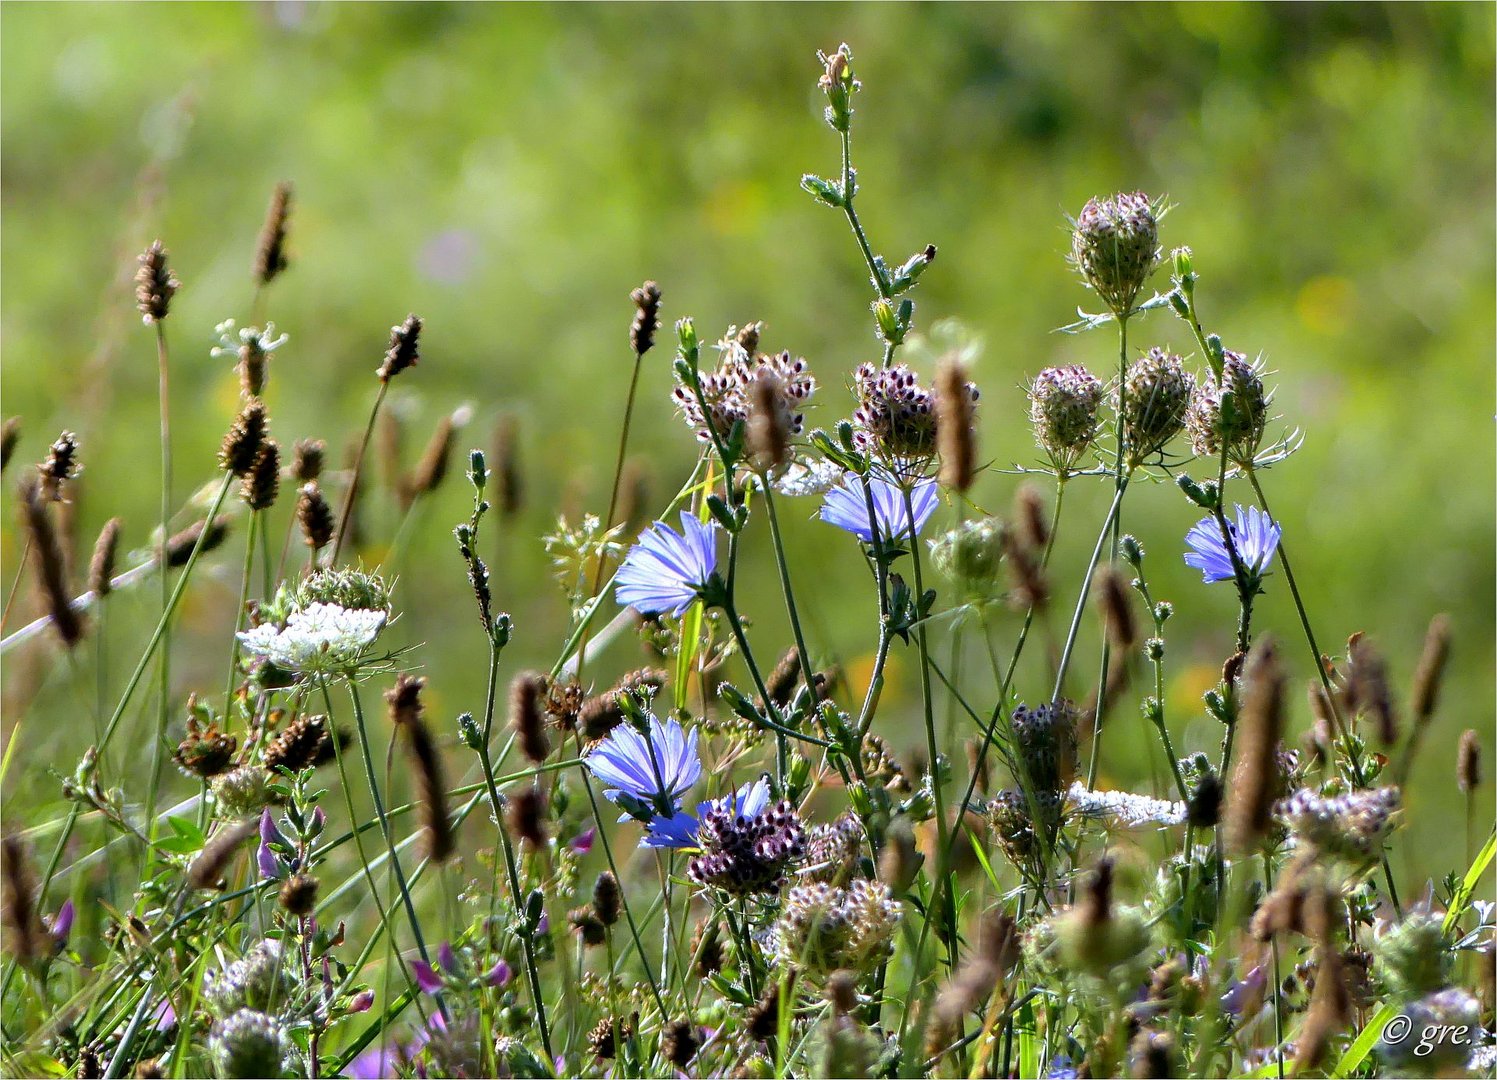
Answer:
(164, 688)
(244, 588)
(779, 554)
(15, 585)
(358, 469)
(1278, 1005)
(1086, 585)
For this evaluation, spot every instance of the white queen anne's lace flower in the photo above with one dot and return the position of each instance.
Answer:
(318, 638)
(1124, 807)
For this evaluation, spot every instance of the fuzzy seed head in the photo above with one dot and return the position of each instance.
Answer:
(1115, 247)
(607, 898)
(59, 466)
(1063, 408)
(314, 516)
(1156, 395)
(403, 351)
(10, 434)
(101, 565)
(956, 432)
(243, 440)
(155, 285)
(307, 460)
(1468, 762)
(262, 483)
(1231, 412)
(270, 248)
(299, 893)
(646, 317)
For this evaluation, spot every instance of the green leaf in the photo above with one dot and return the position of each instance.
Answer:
(1462, 895)
(1362, 1045)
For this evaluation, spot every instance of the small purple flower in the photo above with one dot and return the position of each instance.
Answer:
(363, 1001)
(667, 570)
(447, 958)
(1243, 990)
(499, 974)
(426, 977)
(376, 1063)
(543, 926)
(62, 923)
(166, 1016)
(270, 865)
(1254, 534)
(680, 830)
(646, 776)
(582, 843)
(846, 507)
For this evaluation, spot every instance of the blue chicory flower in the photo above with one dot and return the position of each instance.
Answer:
(1254, 534)
(666, 570)
(680, 829)
(846, 507)
(647, 775)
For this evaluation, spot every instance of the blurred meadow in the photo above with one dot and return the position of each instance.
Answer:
(510, 173)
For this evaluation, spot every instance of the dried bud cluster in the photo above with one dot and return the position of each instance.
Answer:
(155, 284)
(896, 416)
(1115, 247)
(51, 564)
(1063, 406)
(646, 318)
(307, 460)
(101, 565)
(1231, 412)
(731, 390)
(1156, 394)
(823, 928)
(315, 517)
(832, 851)
(742, 855)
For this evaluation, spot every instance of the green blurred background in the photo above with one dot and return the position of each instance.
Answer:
(511, 172)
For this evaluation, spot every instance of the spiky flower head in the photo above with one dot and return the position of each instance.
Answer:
(1352, 826)
(729, 391)
(1115, 247)
(59, 466)
(1156, 394)
(260, 980)
(356, 590)
(896, 415)
(240, 793)
(1413, 956)
(823, 928)
(969, 556)
(1231, 411)
(1063, 405)
(745, 853)
(251, 348)
(155, 284)
(1045, 739)
(249, 1044)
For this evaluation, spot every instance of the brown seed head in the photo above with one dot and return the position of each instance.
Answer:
(1431, 668)
(526, 694)
(270, 249)
(180, 546)
(299, 893)
(769, 422)
(956, 433)
(607, 899)
(207, 870)
(504, 467)
(1117, 612)
(707, 947)
(307, 459)
(1367, 688)
(646, 317)
(431, 470)
(10, 434)
(403, 351)
(25, 936)
(588, 926)
(60, 465)
(242, 441)
(101, 565)
(51, 564)
(1255, 775)
(782, 680)
(404, 700)
(154, 284)
(315, 517)
(305, 743)
(262, 483)
(1029, 513)
(1468, 762)
(527, 812)
(680, 1043)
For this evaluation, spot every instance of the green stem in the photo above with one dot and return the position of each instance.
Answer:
(164, 688)
(358, 469)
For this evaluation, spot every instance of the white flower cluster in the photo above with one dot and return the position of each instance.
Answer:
(318, 638)
(1124, 807)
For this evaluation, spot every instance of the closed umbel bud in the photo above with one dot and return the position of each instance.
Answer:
(646, 319)
(1063, 404)
(242, 441)
(1115, 247)
(1156, 394)
(154, 284)
(1229, 412)
(402, 352)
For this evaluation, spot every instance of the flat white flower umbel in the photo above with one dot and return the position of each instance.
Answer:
(318, 638)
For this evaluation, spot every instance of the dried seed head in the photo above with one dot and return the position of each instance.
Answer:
(305, 743)
(1255, 773)
(431, 470)
(1231, 413)
(60, 465)
(601, 1039)
(315, 517)
(207, 870)
(588, 926)
(707, 947)
(768, 421)
(1029, 515)
(242, 441)
(180, 546)
(1117, 612)
(1431, 668)
(10, 434)
(299, 893)
(205, 752)
(1468, 762)
(842, 991)
(607, 899)
(782, 680)
(270, 249)
(1156, 394)
(1367, 688)
(508, 479)
(101, 566)
(263, 481)
(402, 352)
(1063, 406)
(527, 812)
(956, 433)
(307, 460)
(680, 1043)
(51, 564)
(25, 937)
(404, 699)
(154, 284)
(646, 318)
(526, 694)
(1115, 247)
(603, 712)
